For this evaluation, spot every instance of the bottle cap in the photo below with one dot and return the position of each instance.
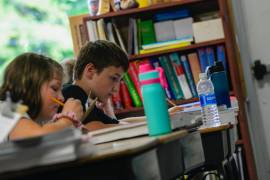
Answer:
(145, 68)
(203, 76)
(217, 67)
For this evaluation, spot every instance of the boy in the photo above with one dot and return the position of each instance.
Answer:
(97, 74)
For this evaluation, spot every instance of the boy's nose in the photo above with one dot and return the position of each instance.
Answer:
(116, 88)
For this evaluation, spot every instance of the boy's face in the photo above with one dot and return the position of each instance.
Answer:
(106, 83)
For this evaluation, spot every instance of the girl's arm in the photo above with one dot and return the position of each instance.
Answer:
(28, 128)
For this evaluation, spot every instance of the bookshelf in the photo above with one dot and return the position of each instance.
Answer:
(195, 7)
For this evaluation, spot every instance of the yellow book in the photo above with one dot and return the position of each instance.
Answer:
(146, 51)
(104, 7)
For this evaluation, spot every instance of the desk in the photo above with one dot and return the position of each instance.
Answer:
(144, 157)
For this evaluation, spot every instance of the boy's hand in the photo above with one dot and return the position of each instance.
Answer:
(107, 107)
(73, 105)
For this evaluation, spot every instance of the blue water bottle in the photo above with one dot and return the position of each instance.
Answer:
(154, 101)
(218, 76)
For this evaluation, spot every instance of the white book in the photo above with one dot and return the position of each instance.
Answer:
(119, 37)
(102, 34)
(208, 30)
(183, 28)
(164, 31)
(92, 30)
(184, 86)
(110, 32)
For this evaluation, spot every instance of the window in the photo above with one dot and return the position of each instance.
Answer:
(37, 26)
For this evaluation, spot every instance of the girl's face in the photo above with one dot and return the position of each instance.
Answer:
(50, 89)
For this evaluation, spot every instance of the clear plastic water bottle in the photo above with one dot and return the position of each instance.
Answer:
(208, 102)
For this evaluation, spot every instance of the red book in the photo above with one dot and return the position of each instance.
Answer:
(117, 101)
(133, 73)
(126, 99)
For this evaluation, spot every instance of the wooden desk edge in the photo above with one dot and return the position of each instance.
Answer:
(215, 129)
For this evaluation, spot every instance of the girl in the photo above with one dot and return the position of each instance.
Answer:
(36, 79)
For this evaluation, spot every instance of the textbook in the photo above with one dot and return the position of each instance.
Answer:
(137, 126)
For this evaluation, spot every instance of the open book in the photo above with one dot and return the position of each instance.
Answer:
(137, 126)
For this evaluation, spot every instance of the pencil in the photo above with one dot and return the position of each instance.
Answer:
(89, 110)
(170, 102)
(57, 101)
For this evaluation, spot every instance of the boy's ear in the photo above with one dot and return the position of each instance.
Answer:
(89, 70)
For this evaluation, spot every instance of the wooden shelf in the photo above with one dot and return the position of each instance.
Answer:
(189, 47)
(142, 10)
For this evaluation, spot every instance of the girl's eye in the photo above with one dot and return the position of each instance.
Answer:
(55, 88)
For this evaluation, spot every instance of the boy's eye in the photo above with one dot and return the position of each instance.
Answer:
(115, 79)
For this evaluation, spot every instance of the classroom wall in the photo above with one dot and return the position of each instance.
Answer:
(253, 35)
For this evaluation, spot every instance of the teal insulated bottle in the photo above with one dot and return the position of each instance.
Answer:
(154, 102)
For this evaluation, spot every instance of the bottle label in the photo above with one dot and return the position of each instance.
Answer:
(207, 99)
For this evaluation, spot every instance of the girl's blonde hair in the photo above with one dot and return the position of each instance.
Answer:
(24, 77)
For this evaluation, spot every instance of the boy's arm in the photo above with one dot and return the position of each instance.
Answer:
(107, 108)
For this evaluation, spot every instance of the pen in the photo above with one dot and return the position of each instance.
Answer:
(57, 101)
(170, 102)
(89, 110)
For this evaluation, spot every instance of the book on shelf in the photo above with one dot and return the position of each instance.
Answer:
(119, 36)
(102, 34)
(125, 96)
(210, 54)
(177, 66)
(195, 66)
(220, 51)
(171, 15)
(131, 37)
(167, 43)
(75, 24)
(208, 30)
(132, 91)
(203, 59)
(155, 63)
(147, 32)
(171, 77)
(164, 31)
(174, 46)
(134, 75)
(183, 28)
(92, 30)
(117, 101)
(189, 75)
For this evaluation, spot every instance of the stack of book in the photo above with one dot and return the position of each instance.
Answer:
(53, 148)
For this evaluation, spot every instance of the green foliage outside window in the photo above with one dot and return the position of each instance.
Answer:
(38, 26)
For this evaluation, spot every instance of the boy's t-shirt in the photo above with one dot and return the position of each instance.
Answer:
(76, 92)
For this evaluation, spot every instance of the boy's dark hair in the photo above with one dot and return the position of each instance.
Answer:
(24, 77)
(101, 54)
